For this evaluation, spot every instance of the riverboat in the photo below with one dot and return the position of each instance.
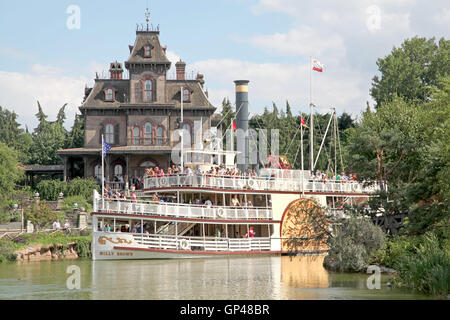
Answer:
(205, 215)
(199, 213)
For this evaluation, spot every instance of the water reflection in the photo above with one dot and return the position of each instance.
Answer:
(197, 279)
(237, 278)
(304, 272)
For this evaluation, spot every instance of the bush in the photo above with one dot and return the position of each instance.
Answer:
(50, 189)
(82, 187)
(426, 268)
(68, 203)
(7, 248)
(355, 243)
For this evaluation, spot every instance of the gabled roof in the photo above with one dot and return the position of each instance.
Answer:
(144, 38)
(198, 97)
(96, 97)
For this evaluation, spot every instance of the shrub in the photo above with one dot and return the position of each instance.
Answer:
(427, 268)
(68, 203)
(354, 244)
(6, 250)
(50, 189)
(82, 187)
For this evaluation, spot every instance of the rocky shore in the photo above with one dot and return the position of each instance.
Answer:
(37, 252)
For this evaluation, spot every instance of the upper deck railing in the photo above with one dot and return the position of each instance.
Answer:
(182, 210)
(256, 183)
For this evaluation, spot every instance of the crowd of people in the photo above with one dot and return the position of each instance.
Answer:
(330, 176)
(137, 183)
(218, 171)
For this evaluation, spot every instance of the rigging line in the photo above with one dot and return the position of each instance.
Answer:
(231, 110)
(323, 140)
(265, 137)
(326, 154)
(289, 147)
(299, 146)
(340, 150)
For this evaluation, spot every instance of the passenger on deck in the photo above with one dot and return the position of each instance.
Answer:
(235, 201)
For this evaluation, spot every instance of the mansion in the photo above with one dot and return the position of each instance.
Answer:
(138, 116)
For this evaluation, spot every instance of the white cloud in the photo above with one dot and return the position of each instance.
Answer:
(301, 41)
(19, 92)
(443, 17)
(279, 82)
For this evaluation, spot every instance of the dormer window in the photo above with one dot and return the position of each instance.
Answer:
(186, 95)
(109, 95)
(147, 51)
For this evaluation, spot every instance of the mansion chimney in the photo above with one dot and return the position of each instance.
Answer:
(116, 70)
(181, 69)
(242, 122)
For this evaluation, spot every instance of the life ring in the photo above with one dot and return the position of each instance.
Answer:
(184, 244)
(163, 182)
(251, 183)
(220, 213)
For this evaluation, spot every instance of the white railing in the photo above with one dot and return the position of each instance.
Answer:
(181, 210)
(256, 183)
(167, 242)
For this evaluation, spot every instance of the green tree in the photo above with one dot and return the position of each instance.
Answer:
(410, 71)
(10, 173)
(75, 138)
(41, 215)
(13, 136)
(48, 137)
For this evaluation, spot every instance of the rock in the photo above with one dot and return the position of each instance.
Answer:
(387, 270)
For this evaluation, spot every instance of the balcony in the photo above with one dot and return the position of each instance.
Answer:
(156, 141)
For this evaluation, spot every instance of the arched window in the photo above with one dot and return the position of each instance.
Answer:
(98, 172)
(136, 135)
(118, 170)
(109, 133)
(186, 95)
(148, 133)
(147, 164)
(148, 90)
(159, 135)
(109, 95)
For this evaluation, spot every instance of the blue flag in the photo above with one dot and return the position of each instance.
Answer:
(106, 148)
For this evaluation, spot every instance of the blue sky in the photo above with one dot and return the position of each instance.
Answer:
(265, 41)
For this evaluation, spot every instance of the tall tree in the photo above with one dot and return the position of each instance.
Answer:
(75, 138)
(410, 70)
(48, 137)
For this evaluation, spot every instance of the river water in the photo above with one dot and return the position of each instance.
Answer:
(252, 278)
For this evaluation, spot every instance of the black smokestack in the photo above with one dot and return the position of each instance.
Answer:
(242, 121)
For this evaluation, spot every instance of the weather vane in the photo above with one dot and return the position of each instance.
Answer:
(147, 17)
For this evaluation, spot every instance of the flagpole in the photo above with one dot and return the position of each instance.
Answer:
(311, 151)
(103, 171)
(301, 148)
(182, 133)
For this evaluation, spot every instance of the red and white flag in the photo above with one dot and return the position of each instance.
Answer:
(317, 66)
(302, 122)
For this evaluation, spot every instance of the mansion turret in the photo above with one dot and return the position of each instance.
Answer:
(137, 116)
